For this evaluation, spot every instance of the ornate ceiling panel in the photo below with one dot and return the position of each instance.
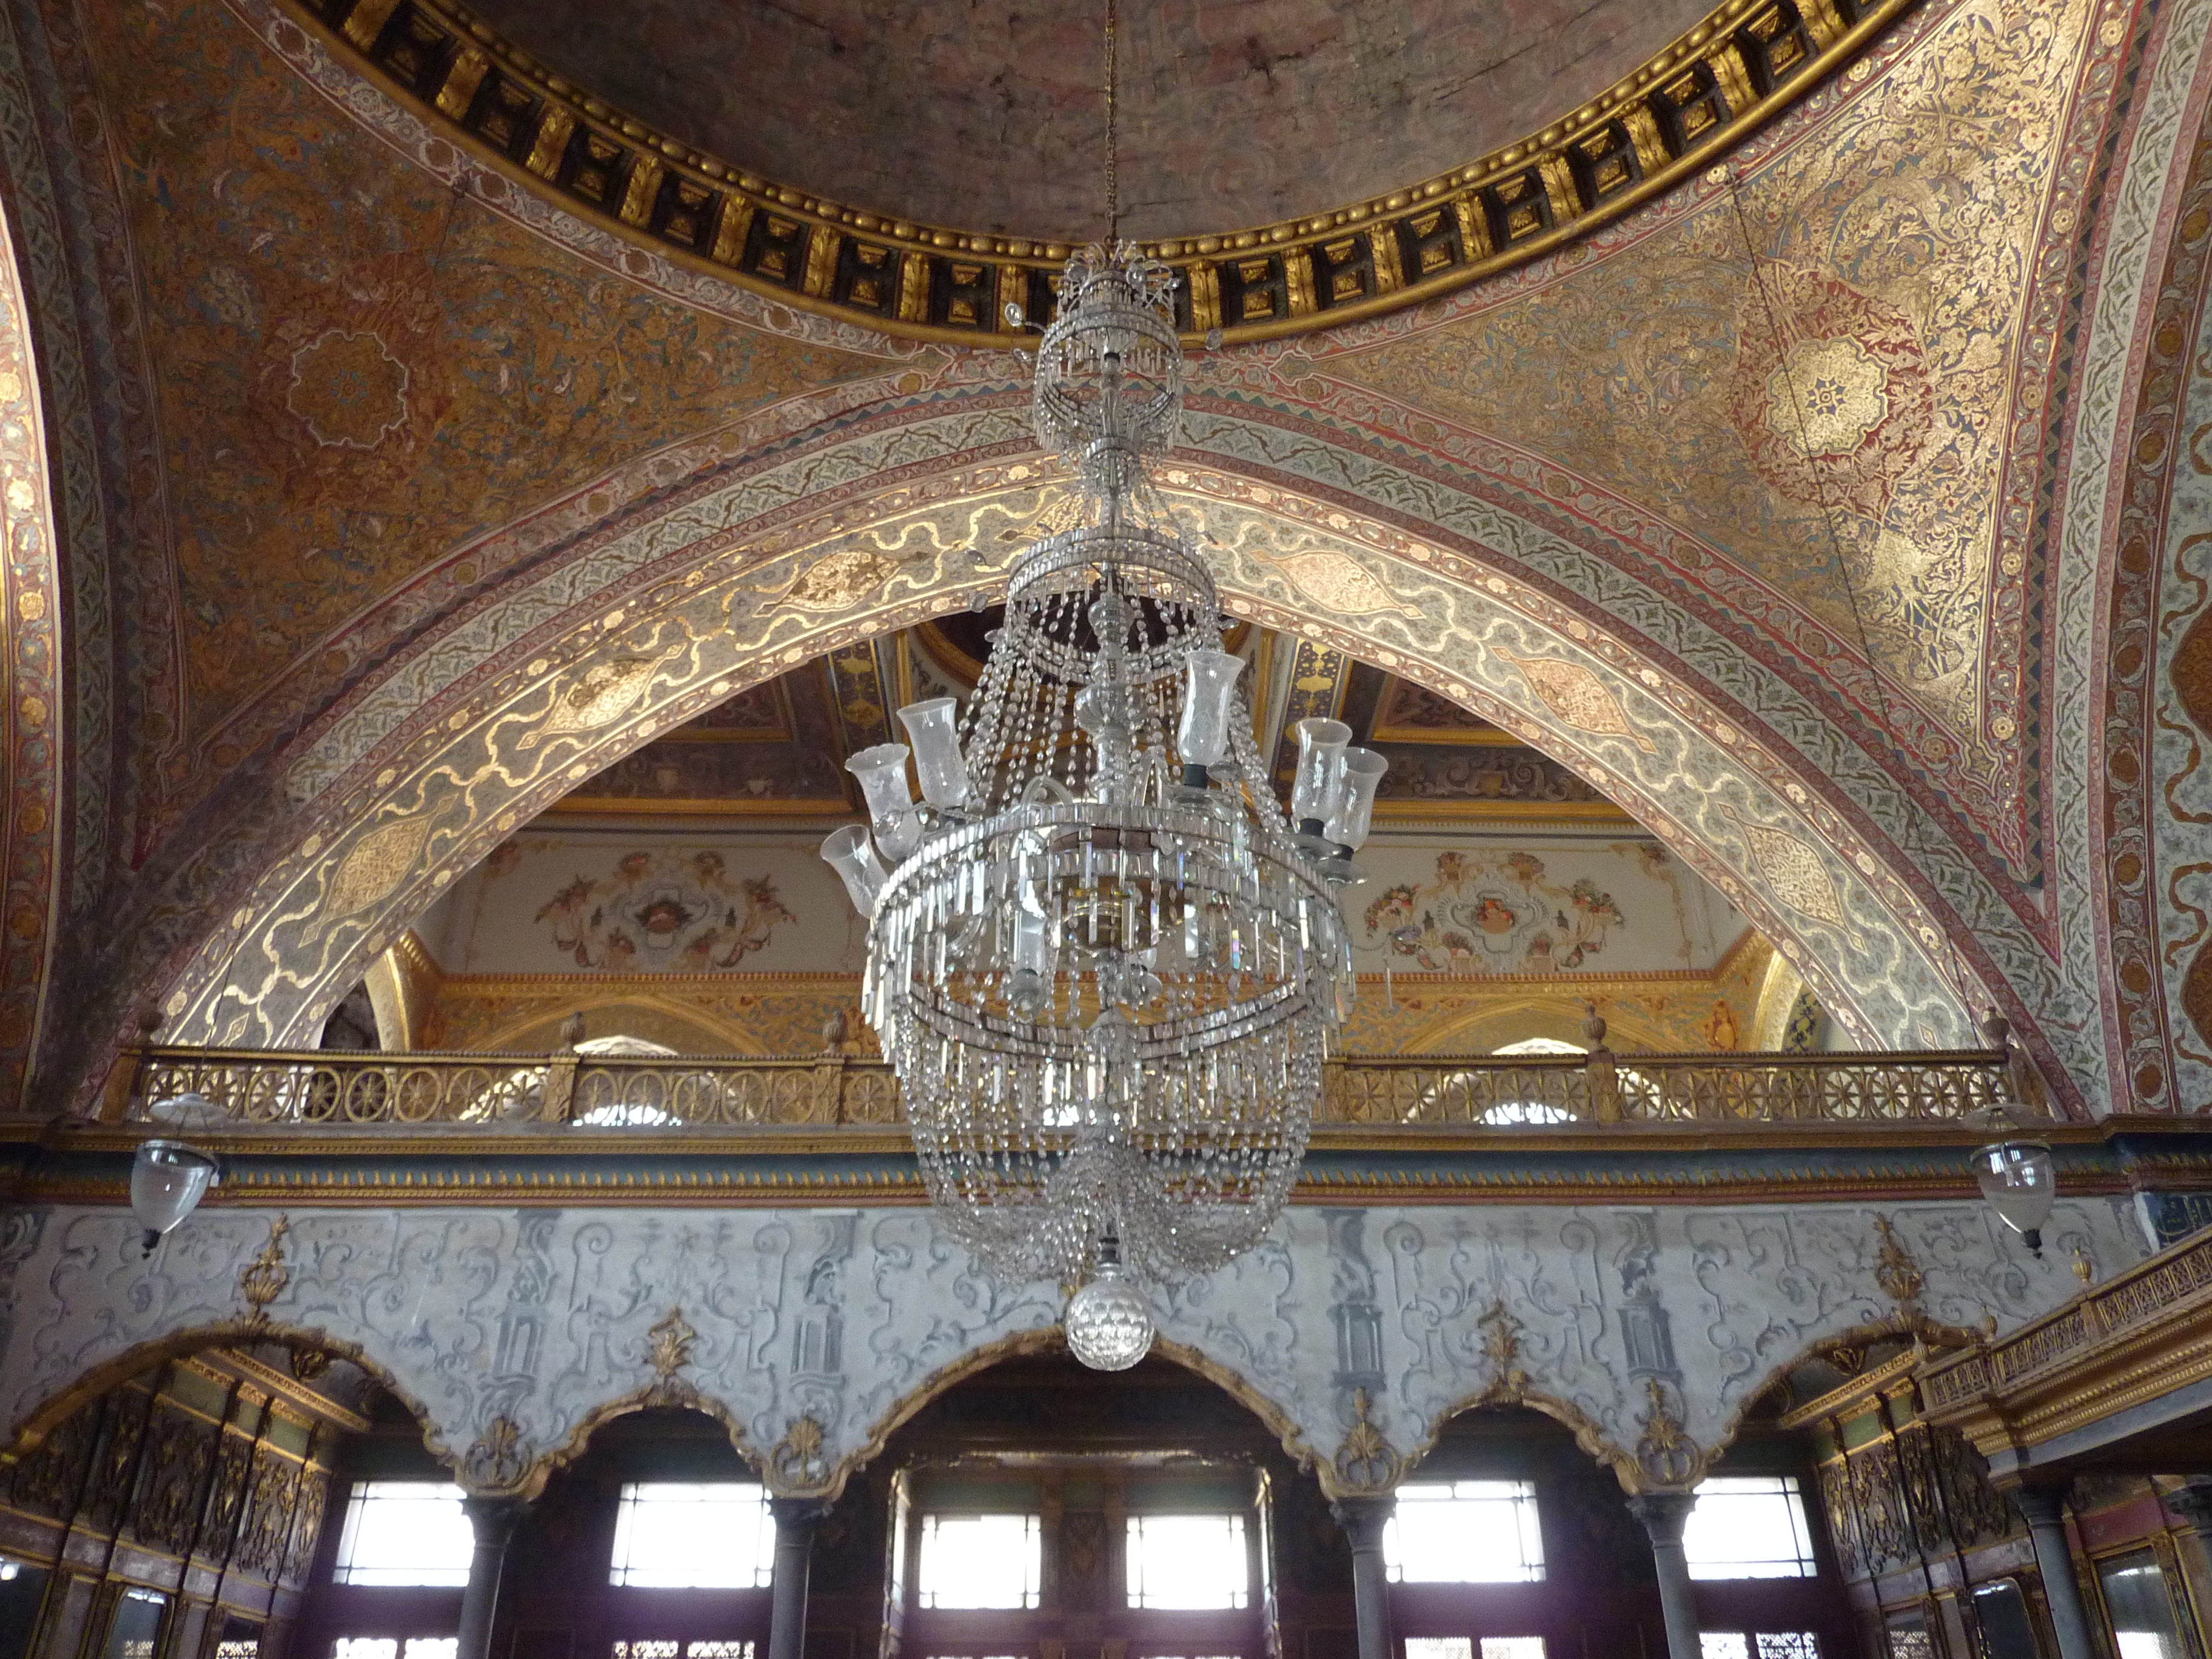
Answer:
(360, 368)
(1336, 102)
(1782, 406)
(989, 117)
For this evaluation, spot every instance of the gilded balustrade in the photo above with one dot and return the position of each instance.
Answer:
(345, 1090)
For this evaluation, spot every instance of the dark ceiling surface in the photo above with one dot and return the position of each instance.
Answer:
(986, 115)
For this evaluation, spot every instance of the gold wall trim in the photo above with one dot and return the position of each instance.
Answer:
(1718, 83)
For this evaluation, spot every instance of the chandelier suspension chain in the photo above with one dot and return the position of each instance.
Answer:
(1113, 128)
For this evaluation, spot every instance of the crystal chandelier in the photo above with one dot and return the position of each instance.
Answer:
(1104, 963)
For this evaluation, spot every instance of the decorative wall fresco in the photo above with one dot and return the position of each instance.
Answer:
(1530, 907)
(1781, 406)
(33, 744)
(1651, 1330)
(361, 369)
(626, 903)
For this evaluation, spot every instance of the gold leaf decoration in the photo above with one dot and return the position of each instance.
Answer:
(668, 1345)
(798, 1458)
(496, 1463)
(1578, 696)
(1794, 872)
(263, 1280)
(1342, 585)
(1366, 1462)
(838, 580)
(1665, 1453)
(602, 693)
(1895, 1270)
(376, 865)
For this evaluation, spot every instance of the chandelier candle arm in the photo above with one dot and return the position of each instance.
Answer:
(848, 852)
(1318, 785)
(882, 774)
(934, 726)
(1348, 826)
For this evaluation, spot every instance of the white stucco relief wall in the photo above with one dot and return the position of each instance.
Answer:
(511, 1331)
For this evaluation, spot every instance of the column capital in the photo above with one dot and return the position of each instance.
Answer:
(2043, 1503)
(2193, 1504)
(492, 1519)
(1663, 1514)
(1363, 1518)
(799, 1514)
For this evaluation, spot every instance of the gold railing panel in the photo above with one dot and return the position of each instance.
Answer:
(342, 1089)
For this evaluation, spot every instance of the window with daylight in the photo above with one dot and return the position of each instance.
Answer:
(980, 1561)
(1512, 1647)
(136, 1625)
(1465, 1532)
(1761, 1645)
(1189, 1562)
(1749, 1527)
(1440, 1647)
(404, 1531)
(694, 1535)
(2144, 1625)
(667, 1650)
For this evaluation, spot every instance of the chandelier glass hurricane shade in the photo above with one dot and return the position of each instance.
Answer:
(1102, 963)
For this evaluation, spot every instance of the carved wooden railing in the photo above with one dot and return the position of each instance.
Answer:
(342, 1088)
(2161, 1293)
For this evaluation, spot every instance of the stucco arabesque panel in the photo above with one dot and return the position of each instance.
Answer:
(512, 1331)
(2092, 485)
(343, 892)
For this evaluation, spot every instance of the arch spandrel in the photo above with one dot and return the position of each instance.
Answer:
(811, 1335)
(679, 602)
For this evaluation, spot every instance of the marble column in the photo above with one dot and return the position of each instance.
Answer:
(493, 1520)
(796, 1521)
(1363, 1520)
(2045, 1506)
(1663, 1515)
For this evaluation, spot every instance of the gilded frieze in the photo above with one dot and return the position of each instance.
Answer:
(1739, 70)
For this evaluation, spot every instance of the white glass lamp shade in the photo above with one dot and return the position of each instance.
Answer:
(1209, 703)
(1355, 808)
(1320, 778)
(934, 726)
(168, 1181)
(2018, 1179)
(1109, 1322)
(882, 773)
(848, 851)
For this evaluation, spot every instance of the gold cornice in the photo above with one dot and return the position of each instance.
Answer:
(290, 1389)
(1854, 1395)
(1649, 132)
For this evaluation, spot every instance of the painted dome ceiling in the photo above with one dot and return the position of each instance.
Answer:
(988, 114)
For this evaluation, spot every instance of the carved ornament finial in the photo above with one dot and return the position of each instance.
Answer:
(263, 1280)
(1895, 1270)
(669, 1345)
(1365, 1462)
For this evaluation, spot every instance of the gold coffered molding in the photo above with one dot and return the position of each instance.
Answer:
(1721, 81)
